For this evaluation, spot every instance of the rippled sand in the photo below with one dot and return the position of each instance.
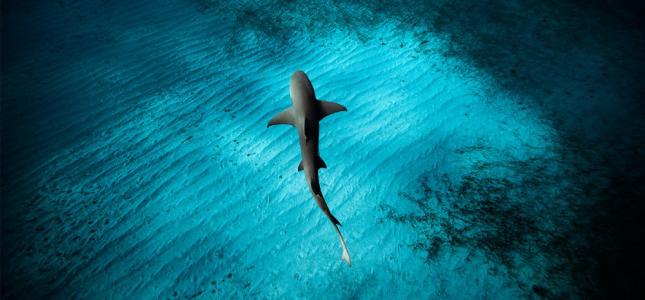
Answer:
(471, 164)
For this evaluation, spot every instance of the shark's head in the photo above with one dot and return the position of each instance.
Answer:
(301, 90)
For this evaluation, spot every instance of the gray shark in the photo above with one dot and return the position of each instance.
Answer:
(305, 114)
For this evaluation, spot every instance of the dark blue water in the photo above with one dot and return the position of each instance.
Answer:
(491, 149)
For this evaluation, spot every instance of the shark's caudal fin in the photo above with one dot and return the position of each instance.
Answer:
(342, 243)
(323, 205)
(284, 117)
(327, 108)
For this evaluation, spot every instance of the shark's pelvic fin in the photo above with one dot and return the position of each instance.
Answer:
(327, 108)
(284, 117)
(320, 163)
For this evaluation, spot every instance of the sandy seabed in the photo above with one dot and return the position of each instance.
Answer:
(489, 151)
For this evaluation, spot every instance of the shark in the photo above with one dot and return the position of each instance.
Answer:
(305, 114)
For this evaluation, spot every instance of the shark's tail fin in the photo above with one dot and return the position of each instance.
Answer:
(342, 243)
(323, 205)
(333, 219)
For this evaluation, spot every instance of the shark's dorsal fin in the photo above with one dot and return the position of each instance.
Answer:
(284, 117)
(308, 129)
(327, 108)
(320, 163)
(300, 167)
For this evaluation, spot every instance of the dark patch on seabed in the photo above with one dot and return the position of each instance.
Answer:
(504, 209)
(492, 149)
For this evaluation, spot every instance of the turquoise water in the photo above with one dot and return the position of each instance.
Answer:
(490, 150)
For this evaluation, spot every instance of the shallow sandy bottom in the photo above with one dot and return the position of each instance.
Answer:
(471, 164)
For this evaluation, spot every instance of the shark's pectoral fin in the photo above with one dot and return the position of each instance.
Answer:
(327, 108)
(300, 167)
(320, 163)
(284, 117)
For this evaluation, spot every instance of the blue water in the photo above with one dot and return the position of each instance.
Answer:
(491, 150)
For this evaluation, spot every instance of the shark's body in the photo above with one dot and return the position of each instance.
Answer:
(305, 114)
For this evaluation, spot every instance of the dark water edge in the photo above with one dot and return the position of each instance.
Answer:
(554, 220)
